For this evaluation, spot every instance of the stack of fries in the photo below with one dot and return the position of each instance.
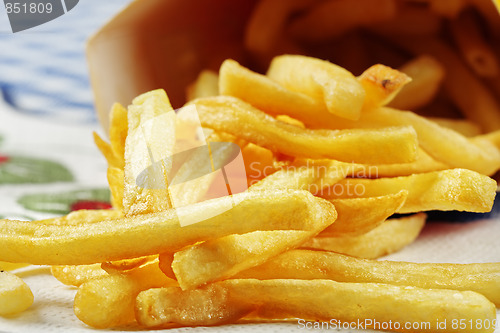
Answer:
(329, 158)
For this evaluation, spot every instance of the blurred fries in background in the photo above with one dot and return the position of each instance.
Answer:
(345, 113)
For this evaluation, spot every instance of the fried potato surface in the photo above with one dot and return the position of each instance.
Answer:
(149, 234)
(310, 264)
(375, 146)
(453, 189)
(224, 257)
(322, 80)
(115, 296)
(15, 295)
(312, 300)
(389, 237)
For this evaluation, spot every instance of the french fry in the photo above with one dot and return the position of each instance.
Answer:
(382, 84)
(149, 234)
(310, 264)
(125, 265)
(116, 186)
(208, 305)
(360, 215)
(463, 126)
(453, 189)
(82, 216)
(221, 258)
(467, 91)
(228, 114)
(321, 300)
(473, 46)
(259, 162)
(427, 75)
(107, 151)
(391, 236)
(410, 21)
(423, 163)
(206, 84)
(342, 94)
(118, 132)
(150, 139)
(332, 18)
(15, 295)
(443, 144)
(449, 9)
(8, 266)
(313, 177)
(76, 275)
(115, 294)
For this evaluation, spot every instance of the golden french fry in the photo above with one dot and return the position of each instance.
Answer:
(109, 301)
(381, 84)
(149, 234)
(423, 163)
(8, 266)
(116, 186)
(118, 132)
(342, 94)
(259, 162)
(206, 84)
(313, 177)
(77, 275)
(453, 189)
(443, 144)
(332, 18)
(360, 215)
(427, 74)
(107, 151)
(391, 236)
(224, 257)
(234, 116)
(316, 300)
(463, 126)
(266, 25)
(150, 141)
(208, 305)
(367, 303)
(15, 295)
(309, 265)
(125, 265)
(82, 216)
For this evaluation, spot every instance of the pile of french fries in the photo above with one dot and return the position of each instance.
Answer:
(328, 159)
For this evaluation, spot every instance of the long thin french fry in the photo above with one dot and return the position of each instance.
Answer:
(223, 113)
(149, 234)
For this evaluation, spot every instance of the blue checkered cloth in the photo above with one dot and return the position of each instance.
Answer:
(43, 70)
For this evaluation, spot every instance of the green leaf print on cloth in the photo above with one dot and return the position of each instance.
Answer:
(65, 202)
(22, 170)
